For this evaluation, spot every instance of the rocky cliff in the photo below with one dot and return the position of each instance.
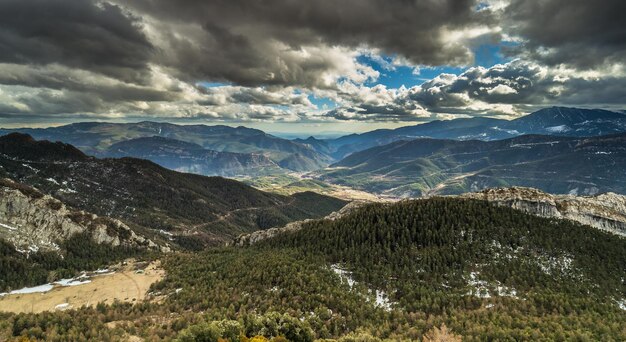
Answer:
(605, 211)
(32, 221)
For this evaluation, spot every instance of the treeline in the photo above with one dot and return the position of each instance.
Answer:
(78, 253)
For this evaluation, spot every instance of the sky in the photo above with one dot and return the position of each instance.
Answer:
(314, 66)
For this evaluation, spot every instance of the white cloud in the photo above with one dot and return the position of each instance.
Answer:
(502, 89)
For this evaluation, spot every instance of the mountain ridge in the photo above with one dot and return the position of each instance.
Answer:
(192, 209)
(95, 138)
(189, 157)
(436, 166)
(560, 121)
(606, 211)
(35, 221)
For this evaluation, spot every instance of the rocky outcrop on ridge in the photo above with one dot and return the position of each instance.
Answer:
(605, 211)
(32, 221)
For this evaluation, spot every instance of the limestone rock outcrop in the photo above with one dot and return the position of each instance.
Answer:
(31, 221)
(605, 211)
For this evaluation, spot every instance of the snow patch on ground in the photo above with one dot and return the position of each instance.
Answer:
(7, 226)
(52, 180)
(621, 304)
(35, 289)
(382, 299)
(504, 291)
(343, 275)
(63, 306)
(169, 235)
(527, 145)
(504, 252)
(80, 280)
(549, 265)
(72, 282)
(558, 129)
(481, 288)
(509, 131)
(30, 167)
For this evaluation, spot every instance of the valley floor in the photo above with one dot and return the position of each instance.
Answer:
(292, 183)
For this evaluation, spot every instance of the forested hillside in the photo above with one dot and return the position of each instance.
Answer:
(397, 271)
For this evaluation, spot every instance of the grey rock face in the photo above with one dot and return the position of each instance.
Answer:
(605, 211)
(33, 221)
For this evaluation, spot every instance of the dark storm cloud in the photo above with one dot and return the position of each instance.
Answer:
(255, 96)
(76, 33)
(402, 27)
(58, 78)
(583, 33)
(150, 57)
(259, 42)
(69, 102)
(394, 111)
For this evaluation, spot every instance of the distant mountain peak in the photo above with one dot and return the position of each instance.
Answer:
(571, 114)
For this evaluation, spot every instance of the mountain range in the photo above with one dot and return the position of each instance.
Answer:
(244, 152)
(251, 152)
(424, 166)
(255, 149)
(192, 158)
(191, 210)
(558, 121)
